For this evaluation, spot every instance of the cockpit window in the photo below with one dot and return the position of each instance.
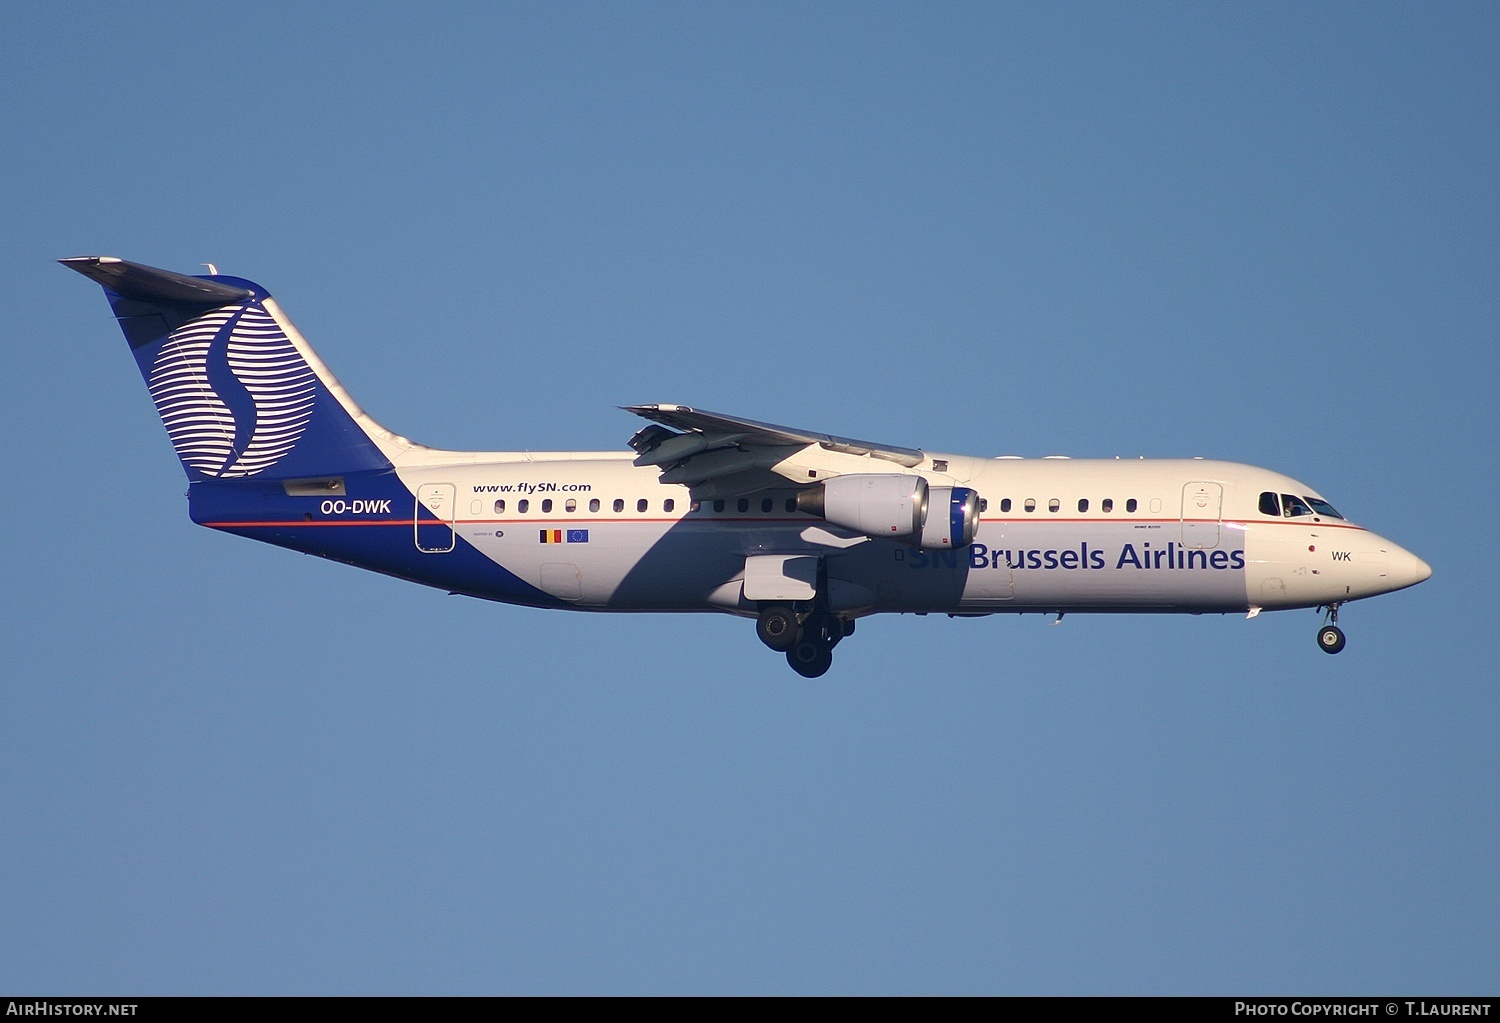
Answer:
(1292, 506)
(1322, 507)
(1270, 504)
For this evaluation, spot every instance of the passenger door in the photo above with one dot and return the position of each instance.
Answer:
(1202, 505)
(441, 500)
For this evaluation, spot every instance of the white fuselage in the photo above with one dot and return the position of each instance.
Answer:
(1055, 535)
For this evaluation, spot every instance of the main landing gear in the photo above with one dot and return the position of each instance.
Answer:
(777, 627)
(808, 640)
(1330, 636)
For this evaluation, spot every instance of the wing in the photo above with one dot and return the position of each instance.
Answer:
(724, 456)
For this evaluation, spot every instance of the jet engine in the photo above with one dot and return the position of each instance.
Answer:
(952, 518)
(896, 506)
(886, 505)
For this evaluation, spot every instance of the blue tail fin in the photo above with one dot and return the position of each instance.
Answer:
(240, 391)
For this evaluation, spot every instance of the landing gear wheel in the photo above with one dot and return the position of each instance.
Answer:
(1331, 639)
(777, 627)
(810, 658)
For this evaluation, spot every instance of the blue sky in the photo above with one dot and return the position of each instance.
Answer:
(1265, 233)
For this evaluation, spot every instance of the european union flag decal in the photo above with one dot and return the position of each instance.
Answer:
(578, 536)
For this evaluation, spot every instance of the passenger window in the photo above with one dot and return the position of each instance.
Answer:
(1005, 504)
(642, 505)
(571, 506)
(719, 505)
(1130, 505)
(1053, 505)
(1107, 505)
(1083, 504)
(1031, 504)
(765, 504)
(1270, 504)
(791, 504)
(695, 505)
(499, 507)
(547, 506)
(668, 505)
(593, 504)
(743, 504)
(619, 504)
(1292, 506)
(523, 506)
(984, 506)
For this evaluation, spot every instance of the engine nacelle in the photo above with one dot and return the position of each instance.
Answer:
(952, 518)
(897, 506)
(881, 505)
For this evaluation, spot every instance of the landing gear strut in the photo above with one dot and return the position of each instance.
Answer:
(1330, 636)
(806, 631)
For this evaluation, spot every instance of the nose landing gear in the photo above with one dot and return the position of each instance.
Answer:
(1330, 636)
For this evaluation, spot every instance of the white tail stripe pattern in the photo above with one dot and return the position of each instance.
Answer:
(281, 383)
(199, 421)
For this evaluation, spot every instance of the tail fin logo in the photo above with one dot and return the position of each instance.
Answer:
(233, 391)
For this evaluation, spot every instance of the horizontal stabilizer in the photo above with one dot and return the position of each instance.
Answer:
(147, 283)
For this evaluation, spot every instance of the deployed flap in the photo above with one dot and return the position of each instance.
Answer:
(725, 456)
(748, 431)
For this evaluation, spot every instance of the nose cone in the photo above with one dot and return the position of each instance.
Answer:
(1421, 571)
(1380, 566)
(1406, 569)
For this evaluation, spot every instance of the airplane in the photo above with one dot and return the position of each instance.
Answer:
(804, 532)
